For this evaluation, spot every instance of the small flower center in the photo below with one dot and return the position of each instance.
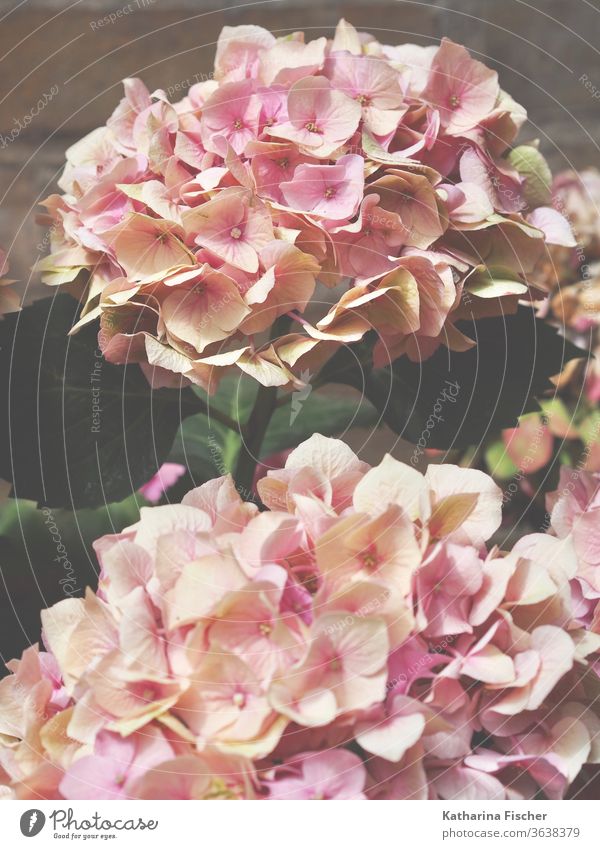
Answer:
(237, 124)
(235, 233)
(335, 664)
(239, 699)
(119, 780)
(330, 192)
(454, 101)
(311, 583)
(283, 163)
(370, 561)
(265, 629)
(312, 127)
(363, 99)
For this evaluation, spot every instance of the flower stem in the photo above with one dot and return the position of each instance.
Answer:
(255, 428)
(253, 434)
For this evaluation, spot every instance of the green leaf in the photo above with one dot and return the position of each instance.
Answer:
(532, 166)
(46, 556)
(209, 449)
(498, 463)
(494, 282)
(76, 431)
(321, 411)
(560, 420)
(589, 429)
(205, 446)
(455, 399)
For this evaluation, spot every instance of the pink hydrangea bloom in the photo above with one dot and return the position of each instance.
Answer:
(357, 639)
(231, 113)
(338, 774)
(382, 170)
(113, 769)
(329, 191)
(166, 477)
(463, 89)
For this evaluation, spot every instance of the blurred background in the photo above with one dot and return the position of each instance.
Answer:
(74, 55)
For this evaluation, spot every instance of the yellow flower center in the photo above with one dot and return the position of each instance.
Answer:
(311, 127)
(220, 790)
(370, 560)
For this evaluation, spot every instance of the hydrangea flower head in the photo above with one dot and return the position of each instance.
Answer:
(357, 639)
(383, 172)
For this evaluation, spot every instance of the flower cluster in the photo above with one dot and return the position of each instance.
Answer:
(382, 172)
(354, 640)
